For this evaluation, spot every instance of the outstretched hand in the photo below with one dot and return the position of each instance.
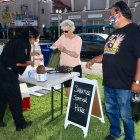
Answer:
(89, 64)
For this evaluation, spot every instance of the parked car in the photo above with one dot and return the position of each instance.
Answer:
(93, 44)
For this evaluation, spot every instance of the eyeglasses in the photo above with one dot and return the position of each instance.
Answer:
(65, 31)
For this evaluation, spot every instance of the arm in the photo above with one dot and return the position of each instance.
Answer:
(26, 64)
(136, 87)
(70, 53)
(96, 59)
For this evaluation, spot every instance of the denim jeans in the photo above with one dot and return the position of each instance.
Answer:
(117, 102)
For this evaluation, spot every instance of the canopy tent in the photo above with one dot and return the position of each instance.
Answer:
(60, 4)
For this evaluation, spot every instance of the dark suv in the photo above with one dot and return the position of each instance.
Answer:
(93, 44)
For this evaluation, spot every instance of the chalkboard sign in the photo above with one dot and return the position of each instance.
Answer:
(80, 105)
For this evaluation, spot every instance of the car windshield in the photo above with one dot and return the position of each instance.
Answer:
(92, 38)
(86, 37)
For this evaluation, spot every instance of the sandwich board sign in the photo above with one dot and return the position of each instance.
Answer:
(84, 101)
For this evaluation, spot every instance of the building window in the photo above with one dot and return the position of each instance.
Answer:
(42, 10)
(24, 9)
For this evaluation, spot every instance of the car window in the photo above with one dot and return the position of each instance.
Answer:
(92, 37)
(86, 37)
(97, 38)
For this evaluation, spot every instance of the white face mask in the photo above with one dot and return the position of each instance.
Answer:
(37, 42)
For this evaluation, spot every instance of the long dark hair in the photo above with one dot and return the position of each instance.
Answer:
(25, 33)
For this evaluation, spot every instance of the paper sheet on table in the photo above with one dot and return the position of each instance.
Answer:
(40, 91)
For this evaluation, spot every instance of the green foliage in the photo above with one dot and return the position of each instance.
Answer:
(44, 129)
(7, 17)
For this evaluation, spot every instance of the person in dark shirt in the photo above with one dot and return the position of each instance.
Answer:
(121, 70)
(13, 61)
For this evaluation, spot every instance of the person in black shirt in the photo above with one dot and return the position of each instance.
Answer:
(13, 61)
(121, 70)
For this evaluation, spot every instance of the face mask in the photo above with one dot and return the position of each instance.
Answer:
(36, 42)
(112, 20)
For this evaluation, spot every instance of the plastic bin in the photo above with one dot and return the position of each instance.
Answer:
(46, 51)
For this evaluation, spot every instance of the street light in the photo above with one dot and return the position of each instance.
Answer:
(43, 25)
(59, 17)
(43, 28)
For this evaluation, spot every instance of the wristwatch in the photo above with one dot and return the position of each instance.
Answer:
(137, 82)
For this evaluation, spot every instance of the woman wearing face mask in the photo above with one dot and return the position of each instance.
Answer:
(13, 61)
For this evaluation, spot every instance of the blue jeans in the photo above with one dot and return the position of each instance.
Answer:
(118, 108)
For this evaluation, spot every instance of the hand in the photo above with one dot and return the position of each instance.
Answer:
(89, 64)
(61, 48)
(35, 53)
(30, 63)
(135, 88)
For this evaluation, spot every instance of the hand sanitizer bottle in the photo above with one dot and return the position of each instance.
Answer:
(41, 73)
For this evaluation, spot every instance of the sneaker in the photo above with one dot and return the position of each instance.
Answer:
(27, 123)
(2, 124)
(109, 137)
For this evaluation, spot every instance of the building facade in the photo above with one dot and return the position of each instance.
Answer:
(28, 13)
(93, 15)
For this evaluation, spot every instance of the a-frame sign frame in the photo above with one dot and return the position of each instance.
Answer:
(84, 101)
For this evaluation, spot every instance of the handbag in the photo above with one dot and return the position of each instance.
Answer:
(64, 69)
(54, 59)
(135, 106)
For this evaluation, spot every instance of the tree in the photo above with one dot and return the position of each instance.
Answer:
(7, 18)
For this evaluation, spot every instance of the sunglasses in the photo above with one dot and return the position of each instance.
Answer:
(65, 31)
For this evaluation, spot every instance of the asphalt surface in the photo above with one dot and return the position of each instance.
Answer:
(95, 69)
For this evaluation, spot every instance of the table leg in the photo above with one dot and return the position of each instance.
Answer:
(52, 98)
(61, 98)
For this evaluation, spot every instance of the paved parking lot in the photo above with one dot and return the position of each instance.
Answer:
(96, 69)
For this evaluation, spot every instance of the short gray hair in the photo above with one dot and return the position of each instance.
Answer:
(68, 23)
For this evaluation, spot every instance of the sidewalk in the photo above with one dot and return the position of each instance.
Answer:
(96, 69)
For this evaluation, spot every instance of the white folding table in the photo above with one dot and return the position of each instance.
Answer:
(53, 79)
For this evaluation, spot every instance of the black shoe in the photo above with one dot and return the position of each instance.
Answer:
(27, 123)
(109, 137)
(2, 124)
